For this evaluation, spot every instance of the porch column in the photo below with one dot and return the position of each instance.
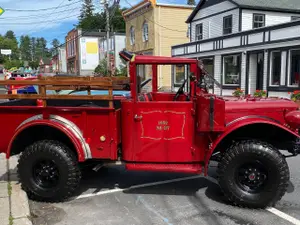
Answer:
(252, 73)
(266, 59)
(218, 73)
(243, 71)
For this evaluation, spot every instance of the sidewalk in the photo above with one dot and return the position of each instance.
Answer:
(13, 201)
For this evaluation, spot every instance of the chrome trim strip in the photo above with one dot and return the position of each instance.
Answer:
(68, 124)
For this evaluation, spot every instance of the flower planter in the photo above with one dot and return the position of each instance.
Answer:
(298, 103)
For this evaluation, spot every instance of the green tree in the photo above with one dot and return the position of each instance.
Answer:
(101, 69)
(33, 64)
(55, 43)
(25, 48)
(41, 50)
(97, 21)
(10, 35)
(191, 2)
(11, 42)
(117, 22)
(13, 63)
(33, 48)
(6, 43)
(86, 17)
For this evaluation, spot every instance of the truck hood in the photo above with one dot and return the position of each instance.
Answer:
(269, 108)
(259, 104)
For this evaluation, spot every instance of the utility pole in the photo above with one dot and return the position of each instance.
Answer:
(105, 3)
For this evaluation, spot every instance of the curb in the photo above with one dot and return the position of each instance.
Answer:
(19, 205)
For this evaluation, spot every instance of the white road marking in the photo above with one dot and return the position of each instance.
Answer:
(144, 185)
(284, 216)
(211, 179)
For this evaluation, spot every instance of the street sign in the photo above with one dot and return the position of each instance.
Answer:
(5, 51)
(1, 11)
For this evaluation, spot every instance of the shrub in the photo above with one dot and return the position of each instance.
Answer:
(238, 93)
(260, 94)
(295, 95)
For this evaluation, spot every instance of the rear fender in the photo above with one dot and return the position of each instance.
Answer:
(62, 124)
(234, 126)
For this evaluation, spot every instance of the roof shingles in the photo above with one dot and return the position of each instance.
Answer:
(285, 5)
(272, 5)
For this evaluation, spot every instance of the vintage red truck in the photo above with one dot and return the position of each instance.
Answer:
(153, 131)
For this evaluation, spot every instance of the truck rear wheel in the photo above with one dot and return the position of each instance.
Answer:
(48, 171)
(253, 174)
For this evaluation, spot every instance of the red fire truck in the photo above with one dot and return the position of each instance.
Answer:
(150, 131)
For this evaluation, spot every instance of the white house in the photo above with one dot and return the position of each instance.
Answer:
(117, 43)
(247, 44)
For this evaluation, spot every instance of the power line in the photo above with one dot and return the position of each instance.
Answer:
(34, 10)
(70, 13)
(60, 5)
(38, 22)
(35, 16)
(53, 12)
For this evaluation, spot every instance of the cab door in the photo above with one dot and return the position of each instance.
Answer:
(164, 132)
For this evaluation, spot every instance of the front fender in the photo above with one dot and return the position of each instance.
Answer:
(234, 126)
(56, 122)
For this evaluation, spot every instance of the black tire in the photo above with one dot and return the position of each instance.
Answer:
(34, 166)
(244, 166)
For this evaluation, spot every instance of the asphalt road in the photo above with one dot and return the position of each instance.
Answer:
(187, 202)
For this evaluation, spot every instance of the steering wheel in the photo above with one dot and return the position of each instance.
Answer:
(180, 90)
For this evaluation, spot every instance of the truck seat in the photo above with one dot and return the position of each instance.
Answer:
(147, 97)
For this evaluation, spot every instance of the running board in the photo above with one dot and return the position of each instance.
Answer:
(177, 168)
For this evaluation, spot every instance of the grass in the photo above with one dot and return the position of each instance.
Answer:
(11, 220)
(9, 188)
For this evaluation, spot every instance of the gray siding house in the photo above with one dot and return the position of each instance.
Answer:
(247, 44)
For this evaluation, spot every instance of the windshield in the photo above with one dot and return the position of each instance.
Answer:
(207, 78)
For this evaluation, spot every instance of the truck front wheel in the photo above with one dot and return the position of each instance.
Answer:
(253, 174)
(48, 171)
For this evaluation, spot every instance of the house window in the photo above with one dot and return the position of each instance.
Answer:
(231, 70)
(145, 31)
(132, 36)
(209, 67)
(188, 31)
(199, 32)
(179, 74)
(73, 47)
(258, 20)
(294, 65)
(294, 18)
(227, 25)
(275, 68)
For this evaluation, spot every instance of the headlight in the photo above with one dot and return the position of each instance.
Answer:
(293, 119)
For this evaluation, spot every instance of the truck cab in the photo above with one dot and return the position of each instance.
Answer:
(161, 124)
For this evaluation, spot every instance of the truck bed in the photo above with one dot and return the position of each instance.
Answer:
(61, 103)
(92, 121)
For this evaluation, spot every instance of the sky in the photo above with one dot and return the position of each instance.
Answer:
(48, 18)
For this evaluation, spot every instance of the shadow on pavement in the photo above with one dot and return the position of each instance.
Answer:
(109, 178)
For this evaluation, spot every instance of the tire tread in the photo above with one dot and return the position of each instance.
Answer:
(262, 149)
(59, 150)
